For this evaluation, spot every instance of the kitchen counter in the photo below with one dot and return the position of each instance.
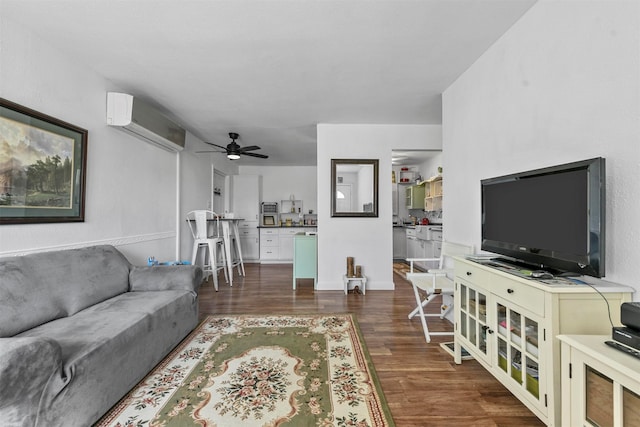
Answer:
(417, 225)
(287, 226)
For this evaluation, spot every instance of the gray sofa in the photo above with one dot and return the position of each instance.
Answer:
(79, 328)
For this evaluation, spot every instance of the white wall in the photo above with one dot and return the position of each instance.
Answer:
(368, 240)
(561, 85)
(131, 187)
(429, 167)
(280, 182)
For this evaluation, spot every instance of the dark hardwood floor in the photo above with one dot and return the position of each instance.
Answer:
(421, 383)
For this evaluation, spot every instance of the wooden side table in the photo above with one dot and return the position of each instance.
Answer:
(347, 280)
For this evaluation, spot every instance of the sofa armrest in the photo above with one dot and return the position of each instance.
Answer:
(164, 278)
(27, 365)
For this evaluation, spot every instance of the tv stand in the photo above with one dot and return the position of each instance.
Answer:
(509, 324)
(523, 269)
(568, 274)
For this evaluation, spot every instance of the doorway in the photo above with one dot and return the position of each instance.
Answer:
(218, 192)
(419, 165)
(343, 198)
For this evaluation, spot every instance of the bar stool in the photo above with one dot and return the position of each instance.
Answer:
(232, 248)
(237, 260)
(197, 221)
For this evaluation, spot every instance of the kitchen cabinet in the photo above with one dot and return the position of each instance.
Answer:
(433, 194)
(249, 240)
(421, 244)
(412, 242)
(436, 241)
(269, 244)
(600, 385)
(399, 243)
(414, 197)
(510, 324)
(423, 232)
(426, 249)
(246, 196)
(421, 249)
(285, 243)
(276, 244)
(437, 248)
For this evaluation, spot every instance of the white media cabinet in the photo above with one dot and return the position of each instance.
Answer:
(600, 385)
(509, 323)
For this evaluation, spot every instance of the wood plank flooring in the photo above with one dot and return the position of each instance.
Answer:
(422, 384)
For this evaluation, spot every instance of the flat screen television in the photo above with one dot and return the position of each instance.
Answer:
(551, 219)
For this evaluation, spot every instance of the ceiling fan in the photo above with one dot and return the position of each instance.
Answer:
(234, 151)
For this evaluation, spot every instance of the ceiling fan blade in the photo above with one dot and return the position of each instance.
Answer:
(262, 156)
(250, 148)
(210, 151)
(215, 145)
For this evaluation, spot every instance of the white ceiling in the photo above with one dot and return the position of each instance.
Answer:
(412, 157)
(272, 70)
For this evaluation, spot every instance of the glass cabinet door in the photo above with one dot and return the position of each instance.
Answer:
(517, 343)
(473, 317)
(630, 408)
(600, 403)
(598, 398)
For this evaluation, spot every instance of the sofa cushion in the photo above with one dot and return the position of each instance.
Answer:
(109, 347)
(41, 287)
(163, 278)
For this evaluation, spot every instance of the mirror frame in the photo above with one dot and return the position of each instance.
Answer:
(360, 214)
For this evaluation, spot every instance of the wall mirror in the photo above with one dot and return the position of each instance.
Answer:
(354, 188)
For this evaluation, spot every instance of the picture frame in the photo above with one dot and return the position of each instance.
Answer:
(43, 162)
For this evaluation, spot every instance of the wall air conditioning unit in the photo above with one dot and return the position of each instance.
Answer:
(142, 120)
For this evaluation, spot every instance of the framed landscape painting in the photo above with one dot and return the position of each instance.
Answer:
(42, 167)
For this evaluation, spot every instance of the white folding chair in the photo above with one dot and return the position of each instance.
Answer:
(198, 224)
(435, 282)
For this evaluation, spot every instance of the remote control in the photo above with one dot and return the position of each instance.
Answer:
(623, 348)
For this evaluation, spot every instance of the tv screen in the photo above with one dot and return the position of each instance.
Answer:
(551, 218)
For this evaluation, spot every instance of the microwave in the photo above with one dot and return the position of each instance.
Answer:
(269, 207)
(269, 220)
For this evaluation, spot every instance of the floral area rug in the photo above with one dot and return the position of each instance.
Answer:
(261, 371)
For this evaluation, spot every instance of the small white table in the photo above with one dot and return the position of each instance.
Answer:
(348, 280)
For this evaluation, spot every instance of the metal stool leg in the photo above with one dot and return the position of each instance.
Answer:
(213, 263)
(238, 248)
(222, 265)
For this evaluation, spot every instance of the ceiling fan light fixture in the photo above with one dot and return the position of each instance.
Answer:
(234, 151)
